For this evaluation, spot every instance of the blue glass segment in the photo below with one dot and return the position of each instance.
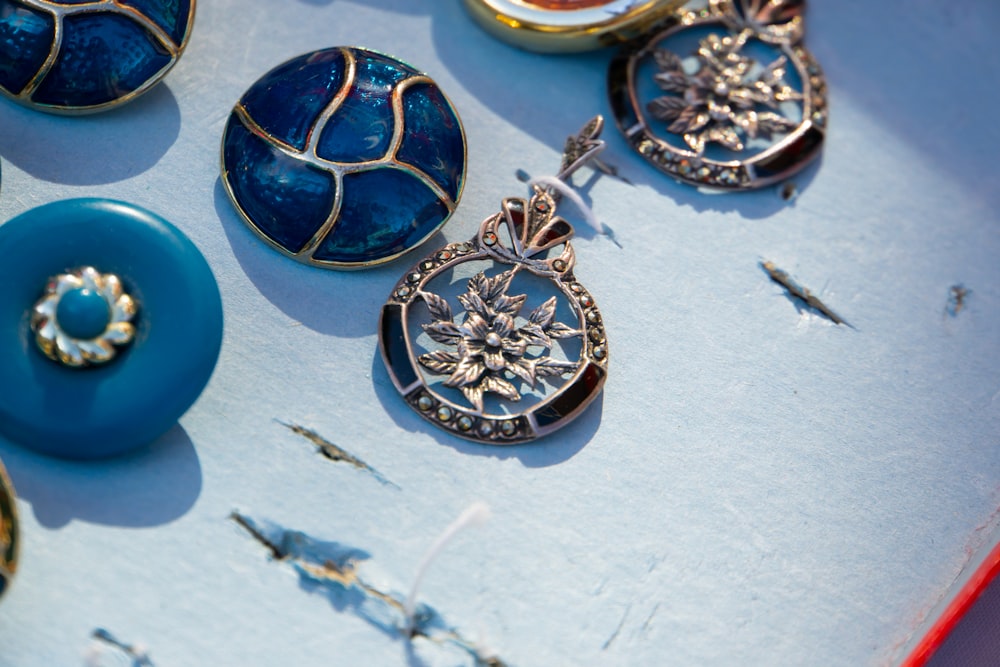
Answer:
(384, 213)
(170, 15)
(433, 139)
(83, 314)
(103, 57)
(25, 42)
(286, 200)
(362, 126)
(341, 102)
(286, 101)
(105, 410)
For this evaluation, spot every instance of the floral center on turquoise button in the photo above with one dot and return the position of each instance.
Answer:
(83, 313)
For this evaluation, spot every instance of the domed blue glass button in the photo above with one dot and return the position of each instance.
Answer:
(344, 158)
(8, 532)
(110, 327)
(77, 56)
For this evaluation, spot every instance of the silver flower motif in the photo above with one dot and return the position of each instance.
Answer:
(725, 98)
(57, 344)
(490, 347)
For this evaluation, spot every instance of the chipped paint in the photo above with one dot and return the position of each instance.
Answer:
(335, 569)
(335, 453)
(104, 643)
(957, 296)
(801, 293)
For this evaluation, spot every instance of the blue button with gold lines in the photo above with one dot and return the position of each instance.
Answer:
(79, 56)
(344, 158)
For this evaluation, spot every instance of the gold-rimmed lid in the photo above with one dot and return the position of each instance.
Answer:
(568, 25)
(9, 540)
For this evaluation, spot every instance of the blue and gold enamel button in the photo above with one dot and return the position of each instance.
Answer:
(110, 327)
(81, 56)
(344, 158)
(8, 532)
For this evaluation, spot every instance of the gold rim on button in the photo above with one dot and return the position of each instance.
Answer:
(552, 26)
(9, 541)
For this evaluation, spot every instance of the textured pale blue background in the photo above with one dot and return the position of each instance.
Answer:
(758, 486)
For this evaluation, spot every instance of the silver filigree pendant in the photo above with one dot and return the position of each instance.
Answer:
(723, 97)
(494, 339)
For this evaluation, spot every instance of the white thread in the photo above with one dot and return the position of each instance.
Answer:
(94, 656)
(484, 652)
(475, 514)
(140, 653)
(566, 191)
(103, 645)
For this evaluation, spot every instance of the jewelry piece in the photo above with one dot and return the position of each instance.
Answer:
(68, 56)
(568, 25)
(83, 315)
(9, 539)
(469, 374)
(747, 109)
(145, 302)
(344, 158)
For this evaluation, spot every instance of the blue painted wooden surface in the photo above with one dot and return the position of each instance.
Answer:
(757, 486)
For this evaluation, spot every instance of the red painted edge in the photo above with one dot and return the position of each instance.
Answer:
(965, 598)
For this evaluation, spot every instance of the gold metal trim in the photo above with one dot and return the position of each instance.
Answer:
(9, 537)
(535, 28)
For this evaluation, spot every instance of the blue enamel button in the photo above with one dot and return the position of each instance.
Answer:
(344, 158)
(106, 358)
(77, 56)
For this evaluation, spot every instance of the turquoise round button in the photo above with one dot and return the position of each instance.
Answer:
(104, 410)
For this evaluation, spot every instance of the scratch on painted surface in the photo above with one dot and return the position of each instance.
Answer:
(614, 635)
(644, 630)
(335, 453)
(801, 293)
(334, 569)
(104, 642)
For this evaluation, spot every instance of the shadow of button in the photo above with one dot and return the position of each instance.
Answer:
(91, 150)
(150, 487)
(335, 303)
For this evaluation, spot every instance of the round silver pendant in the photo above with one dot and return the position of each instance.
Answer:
(723, 97)
(494, 339)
